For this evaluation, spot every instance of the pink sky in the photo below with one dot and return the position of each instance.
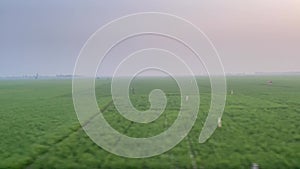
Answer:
(250, 35)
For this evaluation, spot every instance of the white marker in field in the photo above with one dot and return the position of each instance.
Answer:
(219, 122)
(186, 98)
(231, 92)
(255, 166)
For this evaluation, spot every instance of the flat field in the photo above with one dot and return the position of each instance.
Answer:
(39, 127)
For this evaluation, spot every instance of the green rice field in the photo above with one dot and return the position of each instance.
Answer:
(261, 124)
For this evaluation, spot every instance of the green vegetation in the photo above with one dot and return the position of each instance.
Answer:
(39, 127)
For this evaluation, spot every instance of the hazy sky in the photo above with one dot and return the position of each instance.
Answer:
(250, 35)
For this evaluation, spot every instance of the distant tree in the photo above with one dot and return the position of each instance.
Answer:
(36, 76)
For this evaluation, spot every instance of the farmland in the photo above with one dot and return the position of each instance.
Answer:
(39, 127)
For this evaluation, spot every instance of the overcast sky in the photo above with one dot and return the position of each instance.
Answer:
(250, 35)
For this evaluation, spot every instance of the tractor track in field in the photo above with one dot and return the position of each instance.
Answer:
(117, 142)
(190, 148)
(41, 155)
(192, 153)
(171, 156)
